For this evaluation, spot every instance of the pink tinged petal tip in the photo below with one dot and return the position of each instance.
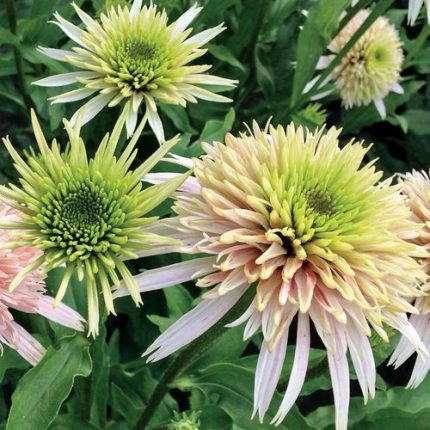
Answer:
(26, 345)
(193, 324)
(190, 185)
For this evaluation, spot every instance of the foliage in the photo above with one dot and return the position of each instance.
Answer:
(271, 47)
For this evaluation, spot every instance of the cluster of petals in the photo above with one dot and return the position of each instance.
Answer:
(28, 297)
(322, 239)
(134, 55)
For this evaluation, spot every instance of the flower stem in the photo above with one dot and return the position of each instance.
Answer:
(188, 354)
(19, 64)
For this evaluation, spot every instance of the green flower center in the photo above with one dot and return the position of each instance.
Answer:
(320, 202)
(80, 217)
(138, 62)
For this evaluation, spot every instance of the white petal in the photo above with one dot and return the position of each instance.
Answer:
(64, 79)
(205, 36)
(168, 276)
(73, 96)
(324, 61)
(363, 361)
(267, 374)
(339, 372)
(298, 372)
(401, 324)
(397, 88)
(414, 10)
(421, 368)
(193, 324)
(184, 20)
(380, 107)
(191, 184)
(156, 124)
(130, 122)
(90, 109)
(57, 54)
(135, 8)
(209, 80)
(71, 30)
(203, 94)
(182, 161)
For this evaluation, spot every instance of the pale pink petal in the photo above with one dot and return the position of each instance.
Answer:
(339, 372)
(298, 372)
(26, 345)
(174, 274)
(193, 324)
(380, 107)
(267, 374)
(61, 314)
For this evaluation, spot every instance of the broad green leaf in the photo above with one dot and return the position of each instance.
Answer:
(41, 391)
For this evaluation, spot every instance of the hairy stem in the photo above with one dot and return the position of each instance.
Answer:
(187, 355)
(19, 64)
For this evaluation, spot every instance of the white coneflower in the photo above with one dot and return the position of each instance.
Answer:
(134, 55)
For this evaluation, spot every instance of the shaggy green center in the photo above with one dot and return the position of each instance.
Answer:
(139, 62)
(81, 218)
(320, 202)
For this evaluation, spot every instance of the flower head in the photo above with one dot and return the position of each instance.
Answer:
(28, 296)
(85, 214)
(371, 68)
(414, 8)
(416, 187)
(134, 55)
(321, 238)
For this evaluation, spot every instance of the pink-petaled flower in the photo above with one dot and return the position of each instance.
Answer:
(321, 238)
(416, 187)
(27, 297)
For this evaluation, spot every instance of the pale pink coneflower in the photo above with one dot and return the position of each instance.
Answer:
(28, 296)
(322, 239)
(416, 187)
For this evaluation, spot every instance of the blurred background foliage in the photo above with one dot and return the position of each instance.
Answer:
(271, 47)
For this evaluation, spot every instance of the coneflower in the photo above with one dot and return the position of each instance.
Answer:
(321, 238)
(133, 55)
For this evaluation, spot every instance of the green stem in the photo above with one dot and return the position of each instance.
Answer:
(19, 64)
(377, 11)
(417, 45)
(188, 355)
(352, 12)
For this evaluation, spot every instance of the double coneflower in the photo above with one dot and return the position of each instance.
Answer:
(322, 239)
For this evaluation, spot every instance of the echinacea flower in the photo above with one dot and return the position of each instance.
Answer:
(134, 55)
(321, 238)
(371, 68)
(85, 214)
(414, 8)
(416, 187)
(28, 296)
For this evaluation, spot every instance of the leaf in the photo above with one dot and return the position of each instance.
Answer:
(229, 386)
(215, 130)
(8, 38)
(318, 30)
(222, 53)
(417, 121)
(41, 391)
(178, 115)
(71, 422)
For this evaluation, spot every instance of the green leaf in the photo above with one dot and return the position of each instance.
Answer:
(215, 130)
(318, 30)
(222, 53)
(41, 391)
(8, 38)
